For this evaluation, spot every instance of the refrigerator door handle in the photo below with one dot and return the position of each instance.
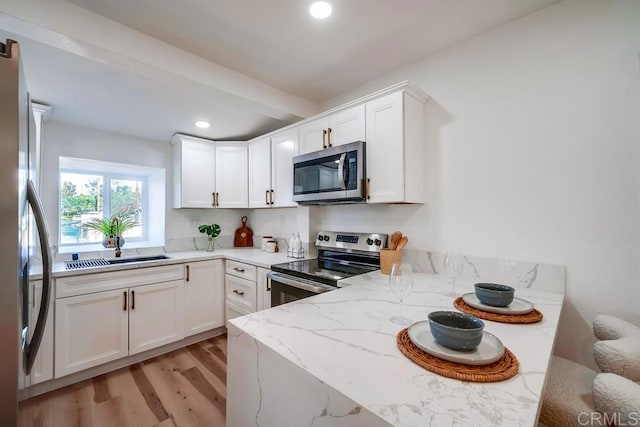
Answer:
(31, 349)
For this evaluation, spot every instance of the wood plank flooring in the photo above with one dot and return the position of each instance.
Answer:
(180, 389)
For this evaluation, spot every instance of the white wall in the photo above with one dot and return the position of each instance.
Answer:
(533, 154)
(67, 140)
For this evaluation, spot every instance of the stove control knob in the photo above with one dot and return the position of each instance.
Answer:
(378, 242)
(326, 238)
(319, 237)
(369, 241)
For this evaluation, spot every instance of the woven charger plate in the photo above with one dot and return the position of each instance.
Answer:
(501, 370)
(531, 317)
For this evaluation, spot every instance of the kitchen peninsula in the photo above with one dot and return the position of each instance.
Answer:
(332, 360)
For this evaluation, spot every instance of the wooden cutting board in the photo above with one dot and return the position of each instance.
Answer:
(244, 236)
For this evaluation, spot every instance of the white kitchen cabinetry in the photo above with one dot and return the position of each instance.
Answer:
(111, 315)
(271, 170)
(203, 296)
(43, 366)
(156, 315)
(341, 127)
(240, 289)
(263, 289)
(208, 175)
(90, 330)
(231, 176)
(395, 148)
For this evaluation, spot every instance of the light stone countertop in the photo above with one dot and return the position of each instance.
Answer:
(254, 256)
(344, 341)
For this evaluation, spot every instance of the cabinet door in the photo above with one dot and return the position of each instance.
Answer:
(231, 176)
(156, 315)
(385, 148)
(313, 135)
(43, 365)
(283, 147)
(197, 174)
(346, 126)
(263, 289)
(259, 173)
(203, 296)
(90, 330)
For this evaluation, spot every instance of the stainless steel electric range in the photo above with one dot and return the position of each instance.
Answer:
(340, 255)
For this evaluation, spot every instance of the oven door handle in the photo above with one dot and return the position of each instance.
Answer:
(299, 283)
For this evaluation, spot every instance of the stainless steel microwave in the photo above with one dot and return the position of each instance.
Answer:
(332, 175)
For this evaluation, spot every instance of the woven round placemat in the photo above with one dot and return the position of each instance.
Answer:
(501, 370)
(531, 317)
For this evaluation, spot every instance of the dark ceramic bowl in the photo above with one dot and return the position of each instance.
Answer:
(455, 330)
(494, 294)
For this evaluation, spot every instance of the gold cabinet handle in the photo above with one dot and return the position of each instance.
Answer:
(124, 306)
(329, 137)
(367, 189)
(133, 300)
(271, 197)
(213, 199)
(217, 199)
(324, 138)
(266, 197)
(187, 272)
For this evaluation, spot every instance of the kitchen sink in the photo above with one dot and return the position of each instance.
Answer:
(136, 259)
(101, 262)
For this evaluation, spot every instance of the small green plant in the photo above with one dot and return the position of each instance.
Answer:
(113, 225)
(212, 230)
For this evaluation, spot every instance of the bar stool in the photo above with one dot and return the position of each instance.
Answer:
(576, 395)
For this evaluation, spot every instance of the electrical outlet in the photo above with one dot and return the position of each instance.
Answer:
(194, 222)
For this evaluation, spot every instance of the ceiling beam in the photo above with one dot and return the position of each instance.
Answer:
(65, 26)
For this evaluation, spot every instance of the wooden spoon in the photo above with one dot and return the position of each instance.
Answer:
(403, 242)
(395, 239)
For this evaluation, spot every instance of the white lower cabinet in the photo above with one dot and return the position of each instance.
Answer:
(96, 328)
(43, 366)
(203, 296)
(156, 315)
(263, 289)
(90, 330)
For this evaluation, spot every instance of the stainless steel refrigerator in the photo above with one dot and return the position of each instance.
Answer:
(21, 218)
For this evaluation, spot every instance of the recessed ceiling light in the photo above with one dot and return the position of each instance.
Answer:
(320, 9)
(202, 124)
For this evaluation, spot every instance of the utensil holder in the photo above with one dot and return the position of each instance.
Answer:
(387, 258)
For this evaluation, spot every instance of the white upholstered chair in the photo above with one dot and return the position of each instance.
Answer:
(574, 392)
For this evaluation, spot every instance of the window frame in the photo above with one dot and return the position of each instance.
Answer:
(107, 177)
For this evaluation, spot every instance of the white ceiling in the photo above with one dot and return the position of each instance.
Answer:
(272, 41)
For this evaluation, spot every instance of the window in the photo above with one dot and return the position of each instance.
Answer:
(91, 190)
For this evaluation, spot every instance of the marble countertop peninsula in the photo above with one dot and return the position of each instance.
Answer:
(340, 347)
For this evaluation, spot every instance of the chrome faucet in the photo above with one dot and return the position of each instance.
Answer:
(116, 226)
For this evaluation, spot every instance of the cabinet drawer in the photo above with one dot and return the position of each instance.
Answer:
(90, 283)
(232, 312)
(241, 292)
(240, 269)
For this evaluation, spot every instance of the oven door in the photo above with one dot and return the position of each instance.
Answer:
(335, 174)
(286, 288)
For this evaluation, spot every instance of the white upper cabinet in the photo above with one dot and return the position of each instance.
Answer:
(260, 173)
(271, 170)
(194, 164)
(339, 128)
(231, 176)
(208, 175)
(395, 148)
(284, 146)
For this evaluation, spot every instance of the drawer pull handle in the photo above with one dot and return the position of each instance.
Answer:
(124, 306)
(235, 291)
(239, 270)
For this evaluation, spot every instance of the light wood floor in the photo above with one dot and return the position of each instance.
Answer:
(184, 388)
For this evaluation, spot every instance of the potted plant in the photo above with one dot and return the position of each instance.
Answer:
(112, 227)
(212, 231)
